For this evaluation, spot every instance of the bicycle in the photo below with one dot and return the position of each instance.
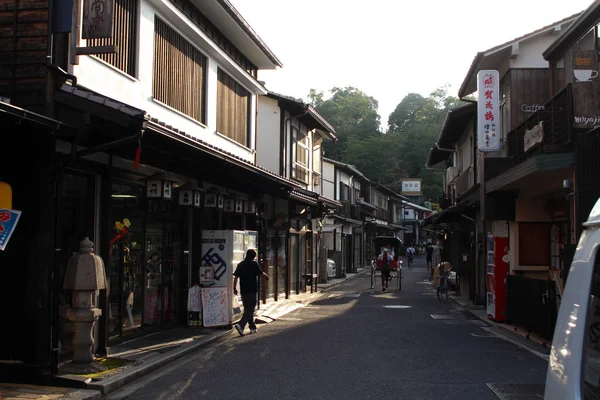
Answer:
(442, 288)
(410, 262)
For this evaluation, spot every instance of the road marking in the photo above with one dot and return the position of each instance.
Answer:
(397, 306)
(290, 319)
(483, 335)
(441, 316)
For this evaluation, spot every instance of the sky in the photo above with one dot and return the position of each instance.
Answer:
(388, 48)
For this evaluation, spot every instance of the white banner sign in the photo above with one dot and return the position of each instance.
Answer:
(411, 186)
(488, 116)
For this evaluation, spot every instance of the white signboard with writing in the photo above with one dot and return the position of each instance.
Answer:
(411, 186)
(215, 306)
(488, 115)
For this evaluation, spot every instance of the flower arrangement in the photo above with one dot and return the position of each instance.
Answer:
(122, 231)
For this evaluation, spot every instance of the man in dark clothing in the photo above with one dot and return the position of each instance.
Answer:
(247, 271)
(429, 250)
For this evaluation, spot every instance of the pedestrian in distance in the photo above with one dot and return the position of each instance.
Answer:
(247, 272)
(429, 253)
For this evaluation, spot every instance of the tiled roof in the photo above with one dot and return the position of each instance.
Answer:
(154, 122)
(88, 94)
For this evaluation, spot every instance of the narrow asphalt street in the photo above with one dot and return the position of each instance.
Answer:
(353, 343)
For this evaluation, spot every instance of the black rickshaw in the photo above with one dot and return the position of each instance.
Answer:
(395, 248)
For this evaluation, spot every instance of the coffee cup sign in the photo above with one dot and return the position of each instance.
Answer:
(584, 75)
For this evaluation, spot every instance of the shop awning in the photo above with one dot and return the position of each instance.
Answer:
(436, 156)
(455, 213)
(164, 146)
(39, 119)
(544, 170)
(331, 228)
(349, 220)
(414, 206)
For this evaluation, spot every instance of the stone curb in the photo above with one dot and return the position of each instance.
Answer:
(113, 383)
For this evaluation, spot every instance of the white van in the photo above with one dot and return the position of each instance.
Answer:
(574, 363)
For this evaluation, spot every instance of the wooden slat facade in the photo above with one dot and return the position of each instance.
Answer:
(233, 102)
(23, 51)
(179, 79)
(525, 87)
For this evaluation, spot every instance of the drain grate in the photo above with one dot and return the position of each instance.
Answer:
(516, 391)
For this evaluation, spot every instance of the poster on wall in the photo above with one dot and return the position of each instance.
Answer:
(215, 306)
(8, 223)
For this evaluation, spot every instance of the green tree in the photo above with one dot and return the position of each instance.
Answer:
(352, 113)
(404, 116)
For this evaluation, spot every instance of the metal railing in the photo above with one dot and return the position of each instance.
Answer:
(531, 304)
(557, 117)
(465, 181)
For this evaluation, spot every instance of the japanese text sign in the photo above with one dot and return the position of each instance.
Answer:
(488, 116)
(8, 223)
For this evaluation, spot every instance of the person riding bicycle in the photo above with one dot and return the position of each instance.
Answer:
(443, 274)
(385, 259)
(410, 255)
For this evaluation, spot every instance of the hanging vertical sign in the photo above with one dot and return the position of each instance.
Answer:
(488, 116)
(97, 19)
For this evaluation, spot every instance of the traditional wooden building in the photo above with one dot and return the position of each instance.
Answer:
(140, 156)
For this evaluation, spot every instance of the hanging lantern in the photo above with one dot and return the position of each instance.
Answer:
(158, 186)
(229, 205)
(239, 206)
(213, 199)
(250, 207)
(189, 195)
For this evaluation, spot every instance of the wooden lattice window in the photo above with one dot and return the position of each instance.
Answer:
(125, 23)
(233, 103)
(179, 72)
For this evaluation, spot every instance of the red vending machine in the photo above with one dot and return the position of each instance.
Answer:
(497, 269)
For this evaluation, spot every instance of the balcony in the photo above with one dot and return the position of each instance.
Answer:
(465, 181)
(451, 174)
(553, 133)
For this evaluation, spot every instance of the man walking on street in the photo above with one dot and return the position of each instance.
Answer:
(247, 271)
(429, 251)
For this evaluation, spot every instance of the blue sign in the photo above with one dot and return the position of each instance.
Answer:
(8, 223)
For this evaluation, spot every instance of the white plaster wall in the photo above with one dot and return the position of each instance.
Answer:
(268, 137)
(98, 76)
(328, 181)
(530, 52)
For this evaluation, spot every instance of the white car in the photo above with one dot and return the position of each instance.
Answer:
(574, 362)
(331, 271)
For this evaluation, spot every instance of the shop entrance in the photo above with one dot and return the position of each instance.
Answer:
(146, 260)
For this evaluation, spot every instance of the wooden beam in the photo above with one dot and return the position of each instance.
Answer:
(514, 51)
(96, 50)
